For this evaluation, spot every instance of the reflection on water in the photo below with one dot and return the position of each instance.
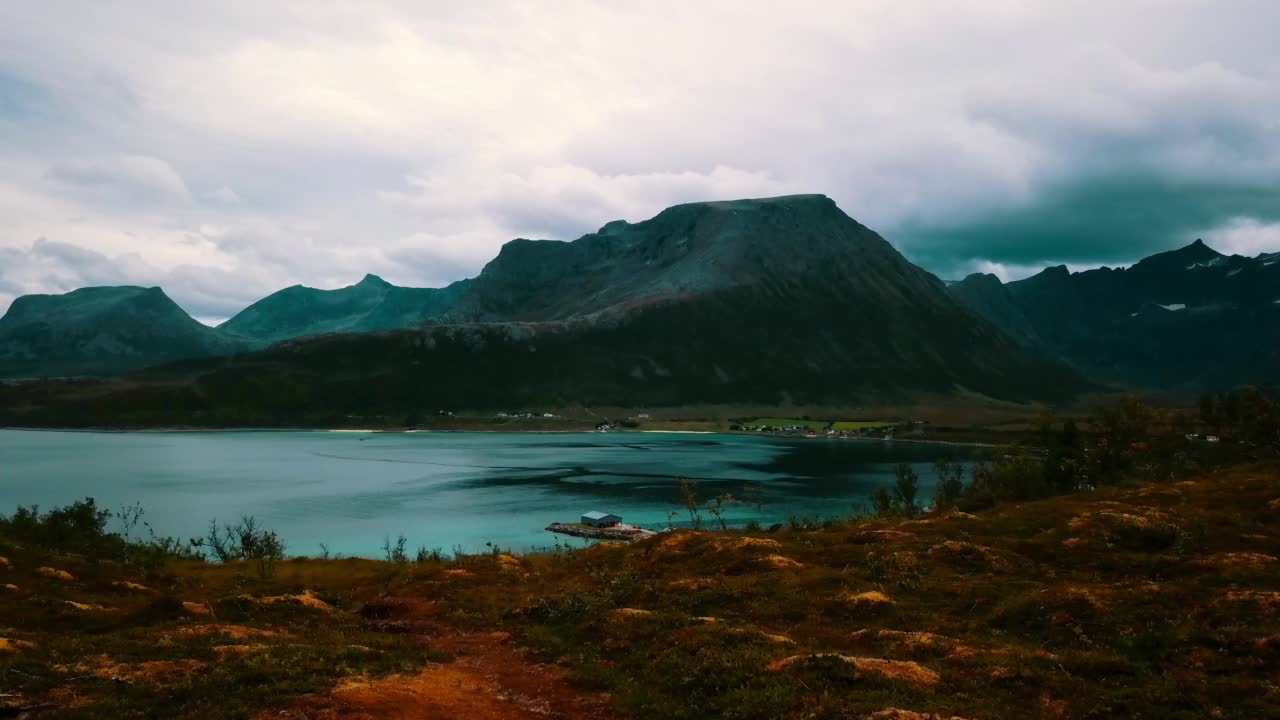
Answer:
(348, 490)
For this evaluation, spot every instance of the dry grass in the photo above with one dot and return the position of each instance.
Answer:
(1150, 601)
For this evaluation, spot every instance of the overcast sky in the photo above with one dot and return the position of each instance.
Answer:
(229, 151)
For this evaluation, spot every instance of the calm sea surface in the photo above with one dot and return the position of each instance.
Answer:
(349, 490)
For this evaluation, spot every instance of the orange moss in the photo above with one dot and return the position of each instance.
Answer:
(630, 612)
(225, 650)
(1235, 559)
(196, 608)
(306, 599)
(155, 672)
(873, 536)
(746, 543)
(126, 585)
(870, 597)
(903, 670)
(235, 632)
(914, 640)
(1262, 598)
(900, 714)
(55, 573)
(691, 584)
(781, 562)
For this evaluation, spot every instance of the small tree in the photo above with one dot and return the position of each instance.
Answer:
(716, 508)
(882, 501)
(268, 550)
(905, 487)
(689, 496)
(245, 540)
(395, 552)
(950, 484)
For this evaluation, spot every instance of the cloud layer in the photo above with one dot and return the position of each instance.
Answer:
(228, 151)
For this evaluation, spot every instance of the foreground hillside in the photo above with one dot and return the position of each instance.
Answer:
(1147, 601)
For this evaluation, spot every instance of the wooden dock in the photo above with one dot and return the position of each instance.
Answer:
(616, 532)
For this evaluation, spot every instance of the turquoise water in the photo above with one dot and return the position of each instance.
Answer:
(445, 490)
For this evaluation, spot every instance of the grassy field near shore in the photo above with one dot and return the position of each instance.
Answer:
(1151, 600)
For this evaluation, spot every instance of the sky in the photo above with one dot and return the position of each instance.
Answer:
(226, 150)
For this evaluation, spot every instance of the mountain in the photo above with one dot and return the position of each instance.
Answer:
(771, 301)
(1190, 319)
(372, 304)
(102, 331)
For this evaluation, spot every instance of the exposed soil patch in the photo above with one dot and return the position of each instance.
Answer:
(489, 679)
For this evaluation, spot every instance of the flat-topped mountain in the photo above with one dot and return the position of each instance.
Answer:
(372, 304)
(101, 331)
(1187, 319)
(779, 246)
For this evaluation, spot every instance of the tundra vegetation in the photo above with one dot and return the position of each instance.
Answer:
(1122, 566)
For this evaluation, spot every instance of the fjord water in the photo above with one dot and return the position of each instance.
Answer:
(349, 490)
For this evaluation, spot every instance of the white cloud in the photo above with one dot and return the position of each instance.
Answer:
(225, 195)
(121, 178)
(257, 145)
(1245, 236)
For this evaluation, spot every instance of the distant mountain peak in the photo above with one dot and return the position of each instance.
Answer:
(1053, 272)
(371, 280)
(1188, 257)
(1198, 250)
(982, 279)
(612, 227)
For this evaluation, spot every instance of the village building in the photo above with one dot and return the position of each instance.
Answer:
(595, 518)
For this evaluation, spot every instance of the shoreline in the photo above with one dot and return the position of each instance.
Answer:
(374, 431)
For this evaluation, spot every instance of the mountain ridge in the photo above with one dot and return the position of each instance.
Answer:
(1189, 319)
(772, 301)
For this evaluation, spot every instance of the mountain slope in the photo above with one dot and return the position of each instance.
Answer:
(372, 304)
(781, 247)
(775, 301)
(1189, 319)
(101, 331)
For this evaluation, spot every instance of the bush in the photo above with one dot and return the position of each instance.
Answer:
(243, 541)
(950, 484)
(1010, 478)
(81, 528)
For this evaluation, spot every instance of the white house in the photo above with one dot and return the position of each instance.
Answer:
(595, 518)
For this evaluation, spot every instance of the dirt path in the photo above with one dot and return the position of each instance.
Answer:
(490, 678)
